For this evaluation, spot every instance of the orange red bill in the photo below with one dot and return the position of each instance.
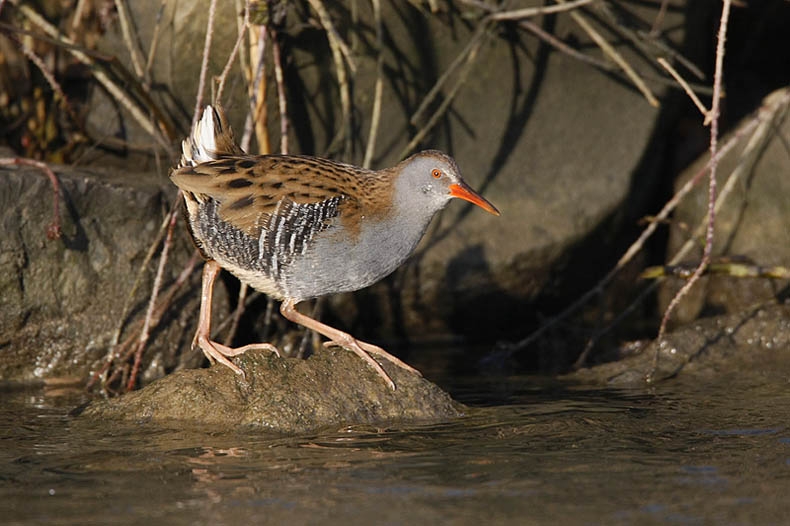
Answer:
(462, 191)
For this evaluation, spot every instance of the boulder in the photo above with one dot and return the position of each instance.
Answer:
(62, 300)
(285, 395)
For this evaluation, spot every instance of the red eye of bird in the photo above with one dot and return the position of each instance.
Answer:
(436, 173)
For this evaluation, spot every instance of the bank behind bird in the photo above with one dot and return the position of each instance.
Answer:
(297, 227)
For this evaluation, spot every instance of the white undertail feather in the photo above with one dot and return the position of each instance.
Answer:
(201, 145)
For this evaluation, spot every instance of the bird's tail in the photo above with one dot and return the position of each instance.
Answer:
(211, 138)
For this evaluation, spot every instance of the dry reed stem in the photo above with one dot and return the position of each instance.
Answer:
(124, 351)
(258, 112)
(612, 53)
(462, 76)
(764, 126)
(472, 45)
(282, 99)
(659, 21)
(561, 46)
(45, 71)
(526, 12)
(112, 88)
(212, 10)
(77, 16)
(378, 91)
(129, 38)
(332, 34)
(339, 50)
(680, 80)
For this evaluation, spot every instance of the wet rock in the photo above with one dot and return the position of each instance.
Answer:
(287, 395)
(62, 300)
(752, 227)
(755, 341)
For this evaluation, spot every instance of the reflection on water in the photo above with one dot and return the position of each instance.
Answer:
(679, 454)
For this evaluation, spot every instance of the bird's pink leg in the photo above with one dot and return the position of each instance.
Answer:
(344, 339)
(215, 351)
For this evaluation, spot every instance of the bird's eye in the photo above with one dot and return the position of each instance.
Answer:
(436, 173)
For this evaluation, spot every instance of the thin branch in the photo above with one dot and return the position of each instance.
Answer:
(45, 71)
(242, 31)
(147, 323)
(141, 272)
(714, 135)
(149, 63)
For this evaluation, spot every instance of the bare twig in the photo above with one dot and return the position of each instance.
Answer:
(602, 64)
(54, 230)
(141, 272)
(212, 9)
(122, 352)
(714, 136)
(242, 31)
(149, 63)
(147, 323)
(77, 16)
(45, 71)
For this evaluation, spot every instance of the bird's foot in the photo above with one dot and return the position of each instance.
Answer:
(215, 351)
(364, 350)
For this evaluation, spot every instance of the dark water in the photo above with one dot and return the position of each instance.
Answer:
(685, 453)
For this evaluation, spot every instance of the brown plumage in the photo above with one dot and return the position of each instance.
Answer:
(297, 227)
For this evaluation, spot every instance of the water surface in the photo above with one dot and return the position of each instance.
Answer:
(526, 453)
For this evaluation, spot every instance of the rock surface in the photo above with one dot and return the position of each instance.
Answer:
(285, 395)
(62, 300)
(755, 341)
